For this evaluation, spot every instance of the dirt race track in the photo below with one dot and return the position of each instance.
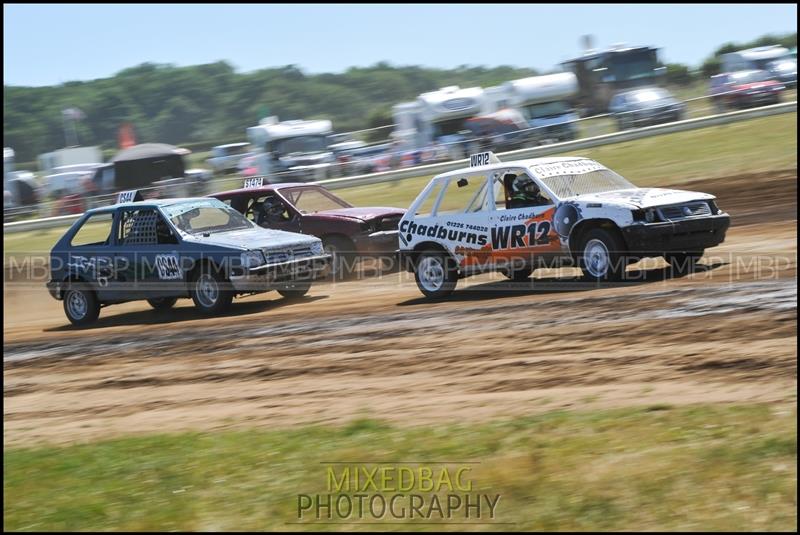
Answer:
(726, 333)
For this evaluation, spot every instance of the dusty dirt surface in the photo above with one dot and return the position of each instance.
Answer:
(725, 333)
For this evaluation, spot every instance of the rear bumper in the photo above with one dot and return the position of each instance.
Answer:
(676, 236)
(263, 277)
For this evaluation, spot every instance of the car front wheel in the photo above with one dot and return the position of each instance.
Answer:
(436, 274)
(342, 260)
(80, 304)
(601, 256)
(210, 293)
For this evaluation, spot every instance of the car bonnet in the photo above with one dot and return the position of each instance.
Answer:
(252, 238)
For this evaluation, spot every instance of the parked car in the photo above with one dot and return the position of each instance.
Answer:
(347, 232)
(548, 212)
(225, 158)
(645, 106)
(163, 250)
(742, 89)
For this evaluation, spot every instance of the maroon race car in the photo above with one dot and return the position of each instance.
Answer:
(348, 233)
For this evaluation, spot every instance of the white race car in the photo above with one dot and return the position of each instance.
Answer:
(490, 216)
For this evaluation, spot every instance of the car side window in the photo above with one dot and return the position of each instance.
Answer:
(96, 230)
(425, 207)
(138, 227)
(464, 195)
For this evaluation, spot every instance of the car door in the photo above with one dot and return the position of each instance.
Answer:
(519, 235)
(91, 253)
(148, 258)
(460, 219)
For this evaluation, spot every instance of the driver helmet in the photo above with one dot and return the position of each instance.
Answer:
(272, 207)
(525, 184)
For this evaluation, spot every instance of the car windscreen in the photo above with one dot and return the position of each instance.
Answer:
(310, 200)
(205, 217)
(588, 177)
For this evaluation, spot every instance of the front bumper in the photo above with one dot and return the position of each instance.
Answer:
(383, 242)
(262, 278)
(693, 234)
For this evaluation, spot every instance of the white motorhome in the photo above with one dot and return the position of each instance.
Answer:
(292, 150)
(544, 101)
(758, 58)
(70, 156)
(438, 117)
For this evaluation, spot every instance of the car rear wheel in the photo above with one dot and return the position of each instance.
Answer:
(601, 256)
(210, 292)
(162, 303)
(436, 274)
(80, 304)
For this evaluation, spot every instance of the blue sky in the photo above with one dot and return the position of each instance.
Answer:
(51, 44)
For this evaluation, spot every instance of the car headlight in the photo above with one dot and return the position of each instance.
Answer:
(251, 259)
(648, 215)
(368, 226)
(317, 249)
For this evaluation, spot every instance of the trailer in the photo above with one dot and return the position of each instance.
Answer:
(544, 101)
(289, 151)
(438, 117)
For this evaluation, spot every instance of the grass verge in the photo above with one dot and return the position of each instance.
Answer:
(704, 467)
